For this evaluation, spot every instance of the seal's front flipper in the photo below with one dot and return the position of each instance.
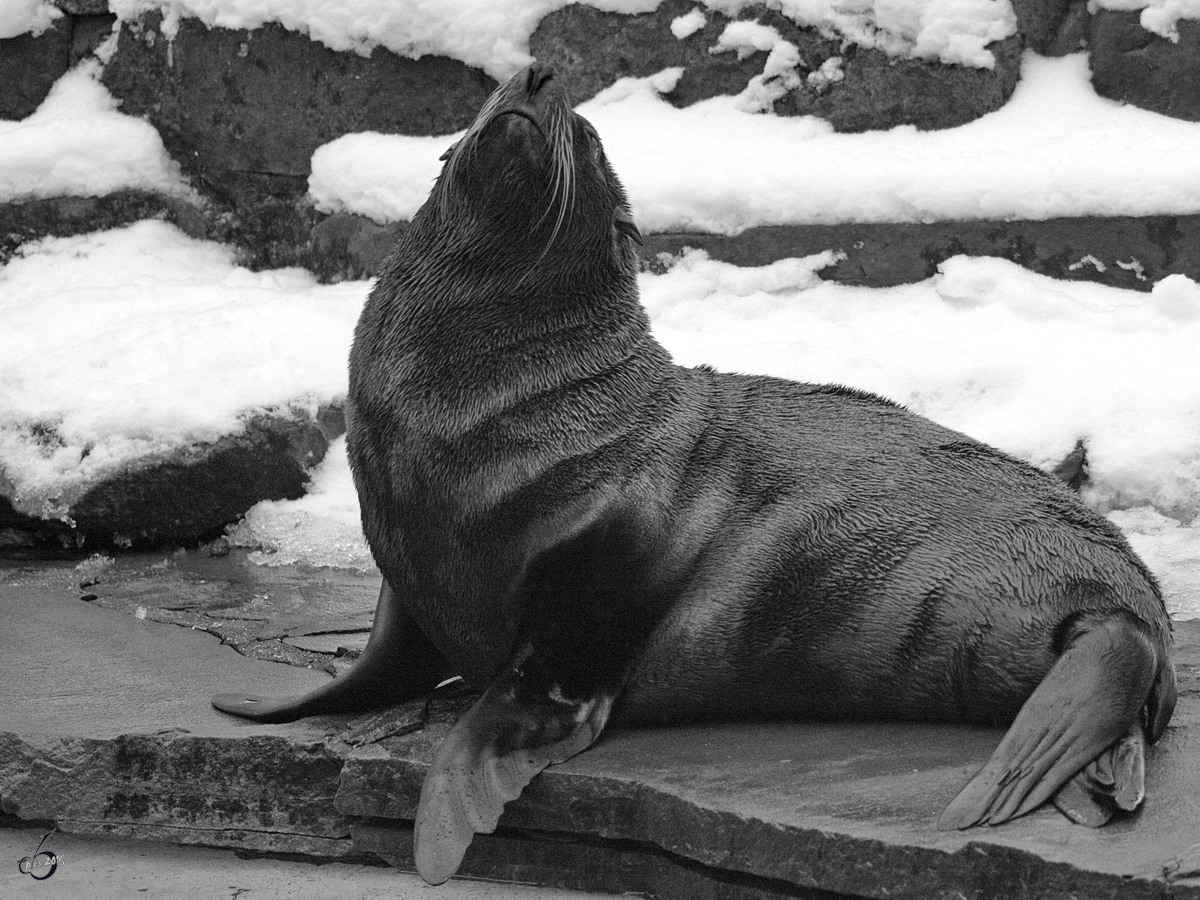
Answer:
(397, 664)
(1116, 779)
(520, 725)
(1109, 670)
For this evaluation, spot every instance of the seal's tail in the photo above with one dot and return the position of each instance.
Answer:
(1080, 730)
(511, 733)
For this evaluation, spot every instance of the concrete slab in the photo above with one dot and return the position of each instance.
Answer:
(103, 869)
(105, 728)
(75, 669)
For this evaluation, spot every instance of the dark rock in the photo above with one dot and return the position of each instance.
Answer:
(596, 48)
(1039, 21)
(879, 92)
(243, 111)
(331, 419)
(1132, 252)
(30, 65)
(350, 246)
(66, 216)
(12, 538)
(201, 489)
(1073, 31)
(267, 217)
(185, 497)
(1136, 66)
(1073, 469)
(88, 32)
(236, 106)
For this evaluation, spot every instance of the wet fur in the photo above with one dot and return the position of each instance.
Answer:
(560, 511)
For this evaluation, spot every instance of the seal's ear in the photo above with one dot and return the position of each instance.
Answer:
(623, 222)
(449, 152)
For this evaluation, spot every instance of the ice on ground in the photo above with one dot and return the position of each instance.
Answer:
(127, 344)
(1055, 149)
(322, 528)
(76, 144)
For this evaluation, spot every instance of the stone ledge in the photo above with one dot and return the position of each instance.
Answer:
(798, 810)
(1122, 251)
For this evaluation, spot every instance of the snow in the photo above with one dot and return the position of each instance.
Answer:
(320, 529)
(953, 31)
(494, 34)
(688, 24)
(19, 17)
(121, 345)
(1055, 149)
(779, 74)
(76, 144)
(1159, 16)
(125, 344)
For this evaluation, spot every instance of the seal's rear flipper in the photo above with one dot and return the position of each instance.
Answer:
(518, 727)
(1109, 670)
(1116, 779)
(397, 664)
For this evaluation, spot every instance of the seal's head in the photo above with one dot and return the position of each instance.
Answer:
(534, 172)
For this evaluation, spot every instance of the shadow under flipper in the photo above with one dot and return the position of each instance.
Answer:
(398, 664)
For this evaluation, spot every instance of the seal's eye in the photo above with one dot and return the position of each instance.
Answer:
(594, 147)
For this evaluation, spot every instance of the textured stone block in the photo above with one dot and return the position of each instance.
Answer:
(244, 110)
(597, 48)
(1136, 66)
(30, 65)
(183, 497)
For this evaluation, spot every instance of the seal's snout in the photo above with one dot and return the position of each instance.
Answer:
(536, 77)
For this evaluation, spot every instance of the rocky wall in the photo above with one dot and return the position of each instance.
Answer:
(242, 111)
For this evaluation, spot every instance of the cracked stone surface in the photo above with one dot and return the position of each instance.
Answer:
(108, 730)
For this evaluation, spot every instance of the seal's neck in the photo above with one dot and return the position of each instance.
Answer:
(469, 331)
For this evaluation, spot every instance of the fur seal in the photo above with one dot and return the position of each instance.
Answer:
(590, 532)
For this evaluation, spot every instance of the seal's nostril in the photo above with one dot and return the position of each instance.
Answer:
(536, 76)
